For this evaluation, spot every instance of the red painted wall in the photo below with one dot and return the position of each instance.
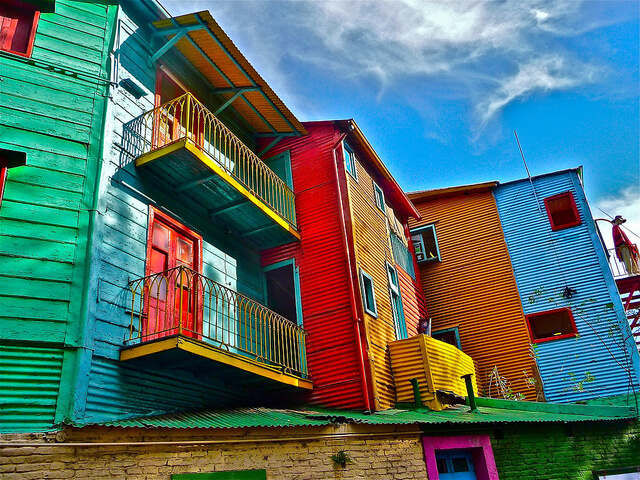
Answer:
(332, 353)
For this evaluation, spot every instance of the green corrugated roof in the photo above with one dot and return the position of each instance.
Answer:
(490, 412)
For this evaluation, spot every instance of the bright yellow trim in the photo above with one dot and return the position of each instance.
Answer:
(211, 352)
(214, 167)
(161, 152)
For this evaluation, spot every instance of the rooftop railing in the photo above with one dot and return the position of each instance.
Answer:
(181, 301)
(187, 118)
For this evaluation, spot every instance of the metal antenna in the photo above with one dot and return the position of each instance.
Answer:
(528, 174)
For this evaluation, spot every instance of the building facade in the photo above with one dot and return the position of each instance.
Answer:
(517, 274)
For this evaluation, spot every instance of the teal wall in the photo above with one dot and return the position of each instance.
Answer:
(52, 107)
(109, 388)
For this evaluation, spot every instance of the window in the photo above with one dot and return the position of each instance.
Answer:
(396, 303)
(379, 194)
(551, 325)
(425, 244)
(282, 290)
(449, 335)
(562, 211)
(18, 22)
(9, 159)
(459, 457)
(349, 160)
(368, 295)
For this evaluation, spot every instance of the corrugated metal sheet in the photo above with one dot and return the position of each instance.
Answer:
(29, 384)
(235, 67)
(331, 342)
(473, 288)
(545, 262)
(373, 250)
(413, 302)
(435, 364)
(507, 412)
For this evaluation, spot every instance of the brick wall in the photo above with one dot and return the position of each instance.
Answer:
(555, 451)
(376, 454)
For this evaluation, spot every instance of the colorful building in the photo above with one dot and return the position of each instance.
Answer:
(516, 275)
(53, 104)
(359, 289)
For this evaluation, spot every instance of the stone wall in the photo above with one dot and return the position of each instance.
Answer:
(301, 453)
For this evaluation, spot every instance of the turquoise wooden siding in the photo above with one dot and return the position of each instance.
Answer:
(545, 262)
(29, 386)
(116, 389)
(52, 107)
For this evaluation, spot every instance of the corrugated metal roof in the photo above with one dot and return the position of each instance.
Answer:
(493, 411)
(213, 54)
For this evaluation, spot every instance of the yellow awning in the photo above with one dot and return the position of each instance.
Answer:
(205, 45)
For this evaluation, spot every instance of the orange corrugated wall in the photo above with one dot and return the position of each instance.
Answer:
(474, 288)
(331, 342)
(373, 249)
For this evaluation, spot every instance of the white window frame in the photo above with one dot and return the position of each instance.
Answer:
(364, 278)
(397, 310)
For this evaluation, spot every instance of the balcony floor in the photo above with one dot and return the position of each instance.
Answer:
(192, 175)
(241, 370)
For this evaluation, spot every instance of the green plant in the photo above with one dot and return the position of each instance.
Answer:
(341, 458)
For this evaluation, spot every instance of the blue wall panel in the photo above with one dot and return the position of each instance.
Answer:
(600, 361)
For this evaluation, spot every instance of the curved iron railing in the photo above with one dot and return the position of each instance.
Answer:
(182, 301)
(187, 118)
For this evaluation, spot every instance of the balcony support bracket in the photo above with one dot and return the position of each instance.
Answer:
(227, 208)
(151, 61)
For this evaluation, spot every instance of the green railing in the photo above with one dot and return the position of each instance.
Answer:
(181, 301)
(187, 118)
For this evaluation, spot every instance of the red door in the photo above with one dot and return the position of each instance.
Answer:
(172, 293)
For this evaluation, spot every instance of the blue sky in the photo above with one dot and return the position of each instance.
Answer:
(439, 87)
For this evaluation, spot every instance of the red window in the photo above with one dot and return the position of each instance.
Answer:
(18, 22)
(4, 167)
(551, 325)
(562, 211)
(171, 293)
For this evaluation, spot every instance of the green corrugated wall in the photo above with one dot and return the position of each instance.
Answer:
(52, 107)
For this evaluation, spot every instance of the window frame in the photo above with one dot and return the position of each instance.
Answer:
(32, 33)
(350, 160)
(572, 323)
(378, 196)
(397, 309)
(479, 445)
(296, 286)
(364, 276)
(453, 330)
(420, 231)
(574, 210)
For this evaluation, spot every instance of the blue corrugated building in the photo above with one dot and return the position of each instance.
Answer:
(577, 325)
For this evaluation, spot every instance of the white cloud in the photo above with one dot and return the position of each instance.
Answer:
(541, 74)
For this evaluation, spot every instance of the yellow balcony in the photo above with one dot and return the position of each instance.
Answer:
(193, 156)
(182, 316)
(436, 365)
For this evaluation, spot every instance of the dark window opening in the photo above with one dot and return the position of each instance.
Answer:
(425, 244)
(551, 325)
(18, 22)
(449, 336)
(281, 293)
(562, 211)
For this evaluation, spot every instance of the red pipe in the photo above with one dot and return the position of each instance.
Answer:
(350, 263)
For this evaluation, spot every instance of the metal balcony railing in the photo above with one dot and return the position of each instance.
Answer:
(617, 267)
(181, 301)
(187, 118)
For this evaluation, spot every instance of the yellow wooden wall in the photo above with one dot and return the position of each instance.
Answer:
(372, 249)
(473, 288)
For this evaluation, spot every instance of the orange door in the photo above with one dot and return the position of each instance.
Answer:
(168, 117)
(172, 293)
